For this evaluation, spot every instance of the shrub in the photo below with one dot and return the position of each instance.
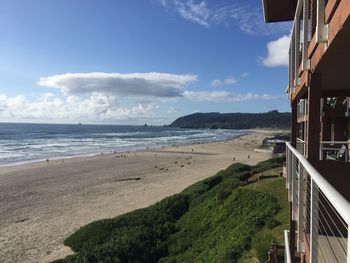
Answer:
(213, 181)
(262, 242)
(226, 189)
(269, 164)
(211, 221)
(272, 223)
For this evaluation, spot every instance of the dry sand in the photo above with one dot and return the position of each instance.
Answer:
(42, 203)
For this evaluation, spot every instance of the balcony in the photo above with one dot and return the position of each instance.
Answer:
(335, 107)
(334, 129)
(335, 151)
(321, 212)
(329, 150)
(302, 110)
(319, 44)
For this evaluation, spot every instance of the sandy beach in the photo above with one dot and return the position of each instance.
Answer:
(43, 203)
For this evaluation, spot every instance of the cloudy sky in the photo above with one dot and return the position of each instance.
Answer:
(133, 61)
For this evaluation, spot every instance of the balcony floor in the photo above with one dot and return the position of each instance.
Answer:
(331, 249)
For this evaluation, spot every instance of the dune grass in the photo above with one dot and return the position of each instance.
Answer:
(216, 220)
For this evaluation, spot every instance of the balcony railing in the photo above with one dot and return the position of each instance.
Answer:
(329, 150)
(301, 146)
(287, 255)
(335, 107)
(321, 212)
(302, 109)
(335, 151)
(309, 23)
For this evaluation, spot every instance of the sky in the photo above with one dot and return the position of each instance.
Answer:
(138, 61)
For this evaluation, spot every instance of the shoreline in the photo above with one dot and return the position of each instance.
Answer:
(110, 152)
(43, 203)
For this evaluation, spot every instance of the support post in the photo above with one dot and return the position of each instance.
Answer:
(314, 223)
(296, 51)
(321, 27)
(291, 234)
(348, 252)
(306, 64)
(292, 60)
(314, 119)
(300, 209)
(290, 75)
(294, 185)
(294, 123)
(288, 170)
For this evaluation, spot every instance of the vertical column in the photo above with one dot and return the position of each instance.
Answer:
(292, 63)
(288, 163)
(322, 128)
(348, 252)
(314, 119)
(300, 208)
(313, 154)
(294, 123)
(296, 50)
(291, 234)
(292, 193)
(295, 169)
(305, 64)
(314, 208)
(321, 28)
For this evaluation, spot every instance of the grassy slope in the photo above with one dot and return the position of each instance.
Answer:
(215, 220)
(263, 238)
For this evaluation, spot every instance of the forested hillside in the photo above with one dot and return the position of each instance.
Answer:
(214, 120)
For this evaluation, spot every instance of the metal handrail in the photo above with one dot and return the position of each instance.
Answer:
(336, 199)
(335, 142)
(288, 258)
(300, 140)
(314, 201)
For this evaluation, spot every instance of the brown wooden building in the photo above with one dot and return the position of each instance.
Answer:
(318, 157)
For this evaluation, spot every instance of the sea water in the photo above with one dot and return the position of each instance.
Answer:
(22, 143)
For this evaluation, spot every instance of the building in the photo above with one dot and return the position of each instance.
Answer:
(278, 146)
(318, 163)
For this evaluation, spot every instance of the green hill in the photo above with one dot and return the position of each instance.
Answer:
(220, 219)
(214, 120)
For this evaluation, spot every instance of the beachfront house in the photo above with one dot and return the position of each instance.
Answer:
(318, 161)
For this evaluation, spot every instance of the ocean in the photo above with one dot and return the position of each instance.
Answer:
(23, 143)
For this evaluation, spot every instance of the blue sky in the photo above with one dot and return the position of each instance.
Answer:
(136, 61)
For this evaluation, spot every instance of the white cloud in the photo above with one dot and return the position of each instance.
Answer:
(277, 52)
(102, 107)
(245, 74)
(135, 84)
(249, 19)
(172, 110)
(228, 81)
(97, 107)
(195, 12)
(216, 83)
(92, 97)
(225, 96)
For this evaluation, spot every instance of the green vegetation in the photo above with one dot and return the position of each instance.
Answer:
(215, 120)
(220, 219)
(273, 230)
